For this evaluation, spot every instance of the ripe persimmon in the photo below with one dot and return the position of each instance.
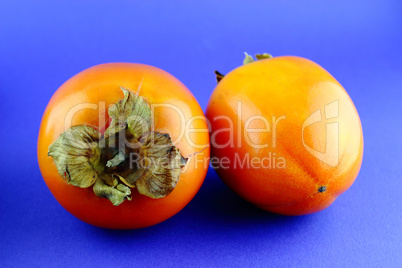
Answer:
(117, 146)
(289, 133)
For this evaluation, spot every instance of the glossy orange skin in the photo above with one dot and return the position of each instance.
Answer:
(99, 85)
(293, 87)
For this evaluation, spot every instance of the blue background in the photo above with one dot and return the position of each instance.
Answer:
(43, 43)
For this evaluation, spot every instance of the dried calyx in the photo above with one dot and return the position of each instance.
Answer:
(128, 155)
(247, 59)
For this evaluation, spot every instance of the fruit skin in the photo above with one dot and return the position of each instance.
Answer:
(296, 88)
(101, 84)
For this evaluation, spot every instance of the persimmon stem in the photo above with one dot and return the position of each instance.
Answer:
(219, 76)
(117, 160)
(248, 59)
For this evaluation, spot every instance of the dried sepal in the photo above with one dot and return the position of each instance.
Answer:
(126, 181)
(129, 155)
(247, 58)
(116, 194)
(263, 56)
(161, 165)
(132, 178)
(72, 153)
(132, 112)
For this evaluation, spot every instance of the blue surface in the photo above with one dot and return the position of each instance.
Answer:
(42, 44)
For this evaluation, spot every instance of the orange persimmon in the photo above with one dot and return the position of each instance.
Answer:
(86, 164)
(289, 133)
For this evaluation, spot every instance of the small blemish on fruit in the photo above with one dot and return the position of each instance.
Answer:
(322, 189)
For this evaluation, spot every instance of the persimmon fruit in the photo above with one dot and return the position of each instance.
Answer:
(289, 131)
(117, 145)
